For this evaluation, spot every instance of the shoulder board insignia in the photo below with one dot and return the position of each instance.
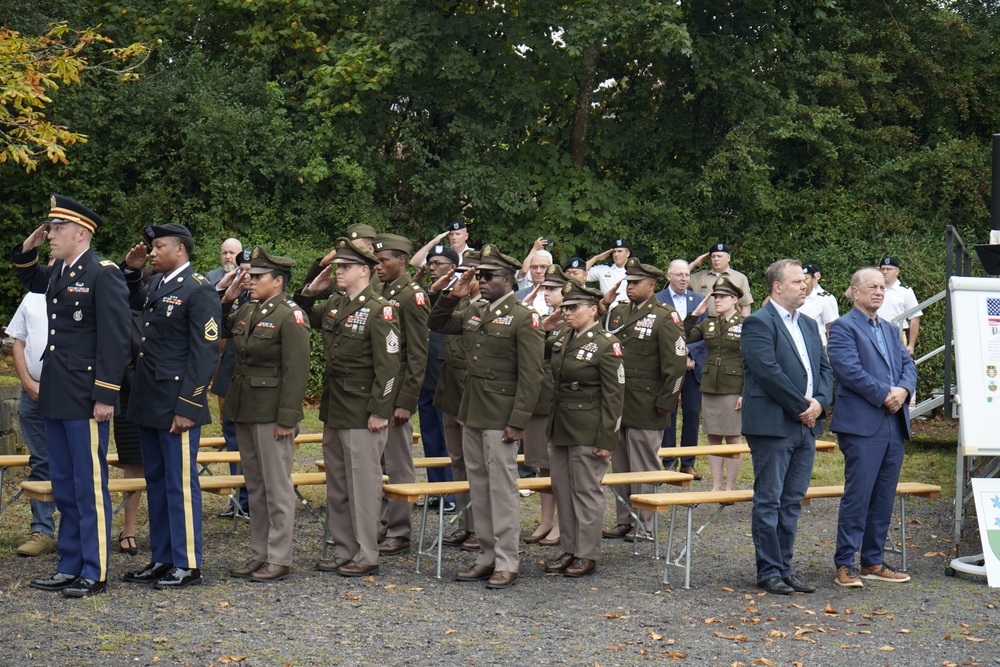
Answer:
(904, 286)
(200, 278)
(108, 262)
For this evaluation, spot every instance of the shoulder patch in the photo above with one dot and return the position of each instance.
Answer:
(108, 262)
(421, 298)
(300, 317)
(675, 316)
(387, 314)
(535, 320)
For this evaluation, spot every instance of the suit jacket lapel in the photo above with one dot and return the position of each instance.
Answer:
(72, 272)
(862, 321)
(780, 323)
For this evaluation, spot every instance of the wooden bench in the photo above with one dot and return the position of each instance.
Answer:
(662, 502)
(421, 462)
(413, 492)
(727, 451)
(11, 461)
(217, 441)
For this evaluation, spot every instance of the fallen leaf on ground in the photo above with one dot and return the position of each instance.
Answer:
(369, 580)
(974, 639)
(932, 554)
(763, 661)
(656, 637)
(228, 659)
(727, 589)
(797, 606)
(450, 632)
(829, 609)
(886, 648)
(733, 638)
(611, 615)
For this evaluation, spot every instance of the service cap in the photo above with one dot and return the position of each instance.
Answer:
(261, 262)
(63, 209)
(725, 287)
(554, 276)
(636, 270)
(348, 253)
(490, 258)
(575, 293)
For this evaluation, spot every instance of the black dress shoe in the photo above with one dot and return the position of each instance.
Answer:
(84, 588)
(179, 578)
(775, 585)
(150, 574)
(799, 585)
(57, 582)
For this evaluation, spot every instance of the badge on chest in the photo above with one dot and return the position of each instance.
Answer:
(586, 351)
(357, 320)
(644, 327)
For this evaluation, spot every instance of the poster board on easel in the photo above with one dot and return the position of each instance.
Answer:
(975, 315)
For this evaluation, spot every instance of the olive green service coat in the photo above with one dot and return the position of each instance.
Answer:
(589, 388)
(411, 303)
(271, 341)
(723, 369)
(504, 346)
(655, 358)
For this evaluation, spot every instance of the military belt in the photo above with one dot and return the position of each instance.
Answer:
(257, 371)
(640, 374)
(359, 373)
(573, 394)
(491, 374)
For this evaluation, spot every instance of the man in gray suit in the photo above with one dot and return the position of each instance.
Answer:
(787, 387)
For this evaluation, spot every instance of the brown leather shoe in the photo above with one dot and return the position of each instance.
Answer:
(688, 470)
(393, 545)
(456, 539)
(475, 573)
(271, 572)
(244, 571)
(355, 570)
(332, 565)
(617, 532)
(561, 563)
(471, 544)
(581, 567)
(502, 580)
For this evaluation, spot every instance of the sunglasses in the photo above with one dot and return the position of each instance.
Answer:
(489, 275)
(571, 308)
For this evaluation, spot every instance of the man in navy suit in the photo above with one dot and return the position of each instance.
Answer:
(787, 385)
(875, 378)
(685, 301)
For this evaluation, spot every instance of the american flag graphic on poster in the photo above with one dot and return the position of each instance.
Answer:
(993, 312)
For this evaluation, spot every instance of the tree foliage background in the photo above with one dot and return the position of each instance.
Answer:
(835, 131)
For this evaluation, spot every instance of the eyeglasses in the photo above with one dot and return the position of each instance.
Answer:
(435, 264)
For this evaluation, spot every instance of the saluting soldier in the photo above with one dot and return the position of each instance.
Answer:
(410, 301)
(722, 374)
(451, 387)
(361, 338)
(177, 354)
(360, 236)
(504, 345)
(583, 430)
(270, 338)
(655, 358)
(78, 392)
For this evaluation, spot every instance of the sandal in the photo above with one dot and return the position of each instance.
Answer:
(127, 545)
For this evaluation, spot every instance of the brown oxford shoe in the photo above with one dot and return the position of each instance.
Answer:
(271, 572)
(502, 580)
(456, 539)
(475, 573)
(688, 470)
(581, 567)
(393, 545)
(471, 544)
(561, 563)
(355, 570)
(244, 571)
(331, 565)
(617, 532)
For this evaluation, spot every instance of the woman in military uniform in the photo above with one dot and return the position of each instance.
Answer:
(583, 428)
(722, 375)
(270, 335)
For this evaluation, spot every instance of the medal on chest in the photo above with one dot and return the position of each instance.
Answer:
(586, 351)
(644, 327)
(357, 320)
(504, 321)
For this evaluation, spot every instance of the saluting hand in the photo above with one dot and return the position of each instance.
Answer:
(322, 281)
(703, 306)
(35, 238)
(611, 295)
(553, 320)
(136, 257)
(463, 287)
(234, 285)
(329, 258)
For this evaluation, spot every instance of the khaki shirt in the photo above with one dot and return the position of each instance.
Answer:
(703, 281)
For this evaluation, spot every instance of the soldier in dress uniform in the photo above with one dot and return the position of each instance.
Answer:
(361, 338)
(169, 399)
(448, 396)
(583, 430)
(270, 338)
(504, 345)
(87, 305)
(722, 374)
(360, 236)
(410, 301)
(655, 357)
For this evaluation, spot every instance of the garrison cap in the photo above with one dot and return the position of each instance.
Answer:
(573, 293)
(490, 258)
(619, 243)
(348, 253)
(575, 263)
(152, 232)
(444, 251)
(63, 209)
(810, 269)
(725, 287)
(889, 261)
(636, 270)
(261, 262)
(456, 225)
(393, 242)
(554, 276)
(359, 230)
(719, 247)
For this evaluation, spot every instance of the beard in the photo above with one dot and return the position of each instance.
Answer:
(229, 266)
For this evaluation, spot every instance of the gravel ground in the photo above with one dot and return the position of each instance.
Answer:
(622, 615)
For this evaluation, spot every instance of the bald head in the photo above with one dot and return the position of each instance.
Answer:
(230, 250)
(679, 276)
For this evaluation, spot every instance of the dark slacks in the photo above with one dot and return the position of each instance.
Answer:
(432, 435)
(871, 472)
(782, 468)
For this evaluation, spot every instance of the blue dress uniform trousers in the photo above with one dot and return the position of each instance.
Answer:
(871, 471)
(78, 450)
(432, 435)
(691, 410)
(174, 495)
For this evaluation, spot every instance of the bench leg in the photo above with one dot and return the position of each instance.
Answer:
(902, 527)
(326, 535)
(670, 545)
(128, 496)
(17, 494)
(656, 535)
(423, 533)
(307, 504)
(687, 557)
